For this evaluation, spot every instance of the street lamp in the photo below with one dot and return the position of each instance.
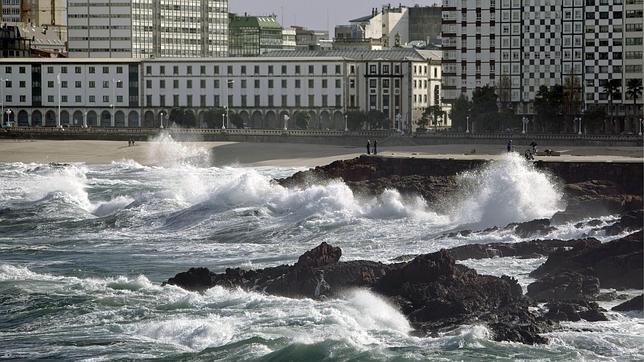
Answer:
(223, 119)
(162, 114)
(114, 83)
(641, 120)
(525, 121)
(286, 118)
(467, 124)
(58, 125)
(85, 119)
(580, 127)
(229, 84)
(346, 122)
(2, 84)
(8, 117)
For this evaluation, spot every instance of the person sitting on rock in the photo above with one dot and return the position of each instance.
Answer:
(368, 147)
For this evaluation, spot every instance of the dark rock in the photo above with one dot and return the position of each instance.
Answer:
(630, 221)
(195, 279)
(322, 255)
(433, 291)
(574, 311)
(636, 303)
(564, 286)
(534, 227)
(533, 248)
(617, 264)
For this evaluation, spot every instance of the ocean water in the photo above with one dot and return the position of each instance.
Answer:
(85, 248)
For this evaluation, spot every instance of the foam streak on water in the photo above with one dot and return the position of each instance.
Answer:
(84, 249)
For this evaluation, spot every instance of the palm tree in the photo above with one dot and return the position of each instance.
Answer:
(634, 90)
(613, 88)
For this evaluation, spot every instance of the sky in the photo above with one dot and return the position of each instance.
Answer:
(315, 14)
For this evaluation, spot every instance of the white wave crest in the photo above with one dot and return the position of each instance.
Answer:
(167, 152)
(508, 190)
(190, 333)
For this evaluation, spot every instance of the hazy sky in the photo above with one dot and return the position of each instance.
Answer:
(314, 14)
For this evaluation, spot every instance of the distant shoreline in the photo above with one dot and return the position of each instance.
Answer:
(273, 154)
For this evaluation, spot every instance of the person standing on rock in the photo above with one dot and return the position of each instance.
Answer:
(375, 147)
(368, 147)
(510, 146)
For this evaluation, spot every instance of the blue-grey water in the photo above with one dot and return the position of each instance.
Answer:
(85, 248)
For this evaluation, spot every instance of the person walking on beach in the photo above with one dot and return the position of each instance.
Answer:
(510, 146)
(375, 147)
(368, 147)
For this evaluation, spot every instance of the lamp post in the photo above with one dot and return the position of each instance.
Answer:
(346, 122)
(2, 84)
(9, 117)
(286, 118)
(580, 126)
(58, 125)
(641, 120)
(223, 118)
(85, 119)
(229, 84)
(467, 124)
(114, 83)
(162, 114)
(525, 121)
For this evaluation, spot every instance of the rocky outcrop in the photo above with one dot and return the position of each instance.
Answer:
(566, 286)
(591, 189)
(636, 303)
(575, 311)
(617, 264)
(524, 249)
(628, 222)
(432, 290)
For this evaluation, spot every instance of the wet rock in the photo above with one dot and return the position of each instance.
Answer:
(636, 303)
(534, 227)
(434, 292)
(527, 249)
(575, 311)
(195, 279)
(564, 286)
(617, 264)
(630, 221)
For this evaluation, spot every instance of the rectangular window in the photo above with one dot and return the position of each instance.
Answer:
(175, 83)
(92, 70)
(297, 83)
(78, 99)
(257, 101)
(270, 83)
(325, 83)
(202, 100)
(230, 69)
(325, 100)
(270, 69)
(119, 99)
(297, 69)
(338, 101)
(338, 69)
(298, 100)
(63, 84)
(148, 83)
(270, 100)
(311, 100)
(92, 84)
(119, 70)
(202, 71)
(284, 101)
(283, 69)
(92, 99)
(77, 70)
(162, 83)
(284, 83)
(216, 101)
(243, 69)
(162, 69)
(106, 70)
(324, 69)
(23, 84)
(202, 83)
(189, 69)
(189, 100)
(311, 69)
(311, 83)
(175, 100)
(216, 69)
(106, 99)
(243, 101)
(256, 69)
(338, 83)
(106, 84)
(243, 83)
(215, 83)
(23, 99)
(189, 83)
(256, 83)
(175, 70)
(162, 100)
(148, 100)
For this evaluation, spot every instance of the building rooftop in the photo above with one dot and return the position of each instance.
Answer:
(357, 54)
(237, 21)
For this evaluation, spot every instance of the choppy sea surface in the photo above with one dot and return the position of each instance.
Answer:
(84, 250)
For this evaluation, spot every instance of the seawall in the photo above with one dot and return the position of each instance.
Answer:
(384, 137)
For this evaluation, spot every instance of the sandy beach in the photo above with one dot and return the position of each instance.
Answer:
(269, 154)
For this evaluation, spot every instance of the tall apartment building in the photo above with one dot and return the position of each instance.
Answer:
(148, 28)
(519, 45)
(633, 63)
(10, 10)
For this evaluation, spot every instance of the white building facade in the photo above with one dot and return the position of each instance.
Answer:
(263, 91)
(148, 28)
